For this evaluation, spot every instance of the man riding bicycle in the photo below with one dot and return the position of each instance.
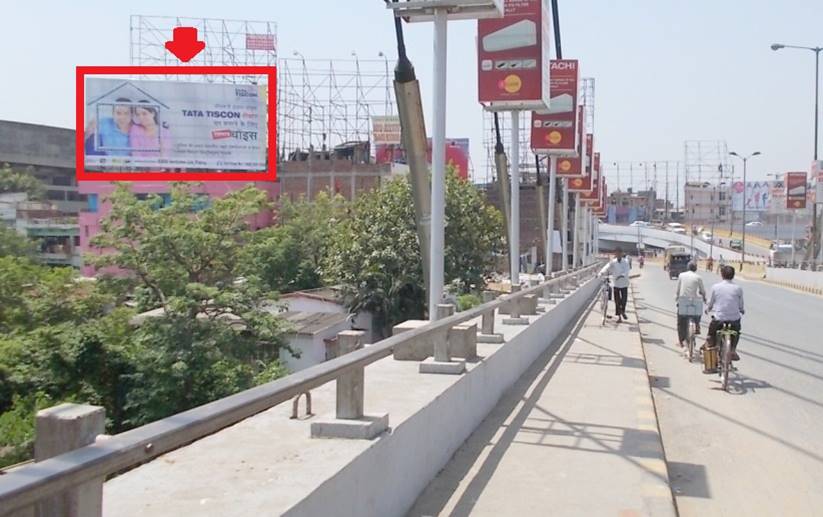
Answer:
(689, 291)
(726, 299)
(619, 269)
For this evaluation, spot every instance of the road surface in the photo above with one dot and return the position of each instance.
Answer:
(759, 449)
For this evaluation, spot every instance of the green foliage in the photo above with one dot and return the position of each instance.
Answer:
(467, 301)
(17, 181)
(376, 256)
(12, 244)
(17, 429)
(289, 257)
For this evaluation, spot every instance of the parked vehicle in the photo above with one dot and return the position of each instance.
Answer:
(642, 224)
(706, 236)
(681, 231)
(754, 224)
(736, 244)
(781, 255)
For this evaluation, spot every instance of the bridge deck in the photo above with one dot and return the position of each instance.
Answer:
(577, 435)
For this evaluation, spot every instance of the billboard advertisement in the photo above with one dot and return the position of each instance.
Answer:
(513, 57)
(457, 154)
(592, 197)
(757, 196)
(584, 183)
(386, 130)
(174, 125)
(795, 190)
(260, 41)
(571, 166)
(555, 131)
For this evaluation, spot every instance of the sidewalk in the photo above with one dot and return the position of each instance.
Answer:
(577, 435)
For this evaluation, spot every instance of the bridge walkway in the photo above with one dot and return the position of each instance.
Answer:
(577, 435)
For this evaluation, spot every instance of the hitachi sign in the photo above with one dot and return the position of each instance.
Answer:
(563, 65)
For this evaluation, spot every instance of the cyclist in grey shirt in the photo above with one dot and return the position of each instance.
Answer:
(726, 300)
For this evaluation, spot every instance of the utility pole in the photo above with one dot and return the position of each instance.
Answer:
(745, 160)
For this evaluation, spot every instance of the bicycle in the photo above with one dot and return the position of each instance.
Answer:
(605, 294)
(692, 308)
(726, 334)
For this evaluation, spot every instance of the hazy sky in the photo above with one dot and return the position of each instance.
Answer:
(666, 71)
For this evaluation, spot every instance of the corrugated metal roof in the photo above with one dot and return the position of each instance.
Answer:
(311, 323)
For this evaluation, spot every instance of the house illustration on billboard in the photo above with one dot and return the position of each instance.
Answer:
(123, 119)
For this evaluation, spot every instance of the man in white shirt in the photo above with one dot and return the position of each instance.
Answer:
(619, 269)
(726, 300)
(689, 290)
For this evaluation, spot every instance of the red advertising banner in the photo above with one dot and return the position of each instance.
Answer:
(592, 197)
(555, 131)
(795, 190)
(513, 57)
(568, 166)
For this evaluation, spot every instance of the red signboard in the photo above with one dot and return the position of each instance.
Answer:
(555, 131)
(259, 41)
(513, 57)
(795, 190)
(570, 166)
(592, 197)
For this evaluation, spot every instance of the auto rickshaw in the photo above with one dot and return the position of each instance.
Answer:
(677, 262)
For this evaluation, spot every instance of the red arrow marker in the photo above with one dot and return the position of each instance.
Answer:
(184, 44)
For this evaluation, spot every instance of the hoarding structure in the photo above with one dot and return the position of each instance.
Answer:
(555, 131)
(585, 183)
(572, 166)
(757, 195)
(796, 190)
(174, 125)
(513, 57)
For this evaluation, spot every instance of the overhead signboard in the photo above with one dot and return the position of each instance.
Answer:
(555, 131)
(572, 166)
(513, 57)
(174, 124)
(386, 130)
(796, 190)
(585, 183)
(592, 197)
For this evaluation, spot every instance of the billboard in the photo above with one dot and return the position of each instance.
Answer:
(386, 130)
(584, 183)
(592, 197)
(571, 166)
(457, 154)
(795, 190)
(757, 196)
(174, 125)
(555, 131)
(513, 57)
(259, 41)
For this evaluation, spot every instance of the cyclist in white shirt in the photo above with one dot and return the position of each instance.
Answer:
(619, 269)
(689, 289)
(726, 300)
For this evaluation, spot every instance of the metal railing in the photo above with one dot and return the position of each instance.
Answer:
(33, 483)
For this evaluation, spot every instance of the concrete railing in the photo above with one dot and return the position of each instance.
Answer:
(69, 473)
(808, 281)
(664, 238)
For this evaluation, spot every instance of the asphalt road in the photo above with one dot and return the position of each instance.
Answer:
(757, 450)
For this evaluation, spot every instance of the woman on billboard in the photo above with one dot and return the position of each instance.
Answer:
(147, 136)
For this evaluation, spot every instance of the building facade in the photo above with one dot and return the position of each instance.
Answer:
(707, 203)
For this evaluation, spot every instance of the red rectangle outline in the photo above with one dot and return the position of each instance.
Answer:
(270, 174)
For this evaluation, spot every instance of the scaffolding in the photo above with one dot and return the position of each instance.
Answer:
(322, 103)
(228, 43)
(707, 161)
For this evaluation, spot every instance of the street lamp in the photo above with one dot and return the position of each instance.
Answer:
(816, 50)
(745, 159)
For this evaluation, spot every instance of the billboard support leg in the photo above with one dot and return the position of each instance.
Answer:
(564, 226)
(438, 164)
(550, 214)
(514, 244)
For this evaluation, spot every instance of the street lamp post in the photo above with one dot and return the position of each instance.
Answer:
(816, 50)
(745, 160)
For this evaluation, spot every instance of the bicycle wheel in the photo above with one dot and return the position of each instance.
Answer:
(691, 343)
(604, 306)
(727, 361)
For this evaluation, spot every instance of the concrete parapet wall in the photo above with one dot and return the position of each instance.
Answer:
(386, 478)
(808, 281)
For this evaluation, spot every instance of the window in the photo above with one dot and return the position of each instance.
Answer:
(77, 239)
(76, 196)
(63, 181)
(56, 195)
(92, 204)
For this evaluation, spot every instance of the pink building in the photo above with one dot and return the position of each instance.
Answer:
(98, 206)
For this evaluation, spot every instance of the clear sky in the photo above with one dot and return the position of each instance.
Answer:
(666, 71)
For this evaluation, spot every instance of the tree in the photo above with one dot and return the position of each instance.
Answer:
(289, 257)
(376, 254)
(16, 181)
(214, 334)
(12, 244)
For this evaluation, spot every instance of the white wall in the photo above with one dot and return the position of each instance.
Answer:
(305, 304)
(796, 278)
(386, 478)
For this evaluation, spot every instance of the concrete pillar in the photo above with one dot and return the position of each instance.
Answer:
(514, 305)
(487, 323)
(61, 429)
(350, 385)
(441, 345)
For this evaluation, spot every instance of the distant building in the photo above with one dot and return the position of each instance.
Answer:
(314, 336)
(327, 299)
(627, 207)
(49, 153)
(706, 202)
(54, 233)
